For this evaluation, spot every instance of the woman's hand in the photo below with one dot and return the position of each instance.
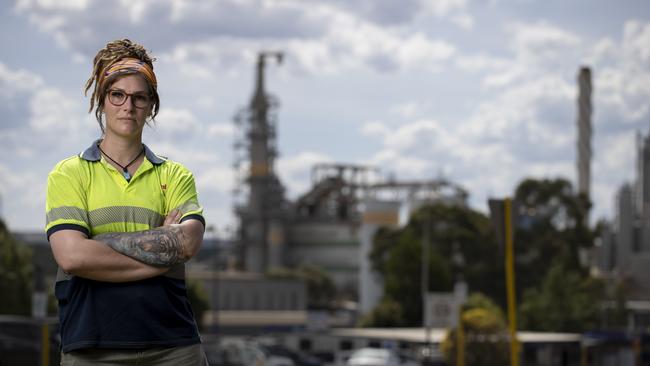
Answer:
(173, 217)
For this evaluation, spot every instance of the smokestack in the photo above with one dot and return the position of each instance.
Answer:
(584, 131)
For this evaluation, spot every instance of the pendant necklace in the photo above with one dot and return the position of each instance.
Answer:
(125, 170)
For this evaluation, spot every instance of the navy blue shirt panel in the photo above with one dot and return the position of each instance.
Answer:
(149, 313)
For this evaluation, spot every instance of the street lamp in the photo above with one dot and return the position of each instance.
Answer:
(426, 243)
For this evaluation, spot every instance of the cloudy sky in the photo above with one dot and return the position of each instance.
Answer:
(482, 92)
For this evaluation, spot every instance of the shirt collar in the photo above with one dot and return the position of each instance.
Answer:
(92, 153)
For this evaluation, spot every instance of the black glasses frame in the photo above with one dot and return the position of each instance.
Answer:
(127, 96)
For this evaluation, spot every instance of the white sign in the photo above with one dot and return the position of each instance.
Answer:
(39, 304)
(441, 310)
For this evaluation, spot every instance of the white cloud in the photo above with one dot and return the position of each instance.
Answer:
(404, 166)
(517, 117)
(52, 4)
(295, 171)
(136, 9)
(42, 113)
(176, 123)
(320, 37)
(13, 82)
(196, 158)
(616, 163)
(444, 8)
(540, 38)
(51, 110)
(216, 178)
(206, 101)
(22, 193)
(409, 109)
(221, 130)
(417, 149)
(420, 132)
(464, 21)
(518, 107)
(635, 42)
(603, 51)
(538, 49)
(454, 10)
(622, 82)
(375, 128)
(481, 63)
(419, 51)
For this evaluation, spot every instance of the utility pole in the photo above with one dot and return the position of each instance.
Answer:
(501, 213)
(426, 242)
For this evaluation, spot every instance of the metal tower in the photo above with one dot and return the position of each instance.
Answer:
(261, 216)
(584, 131)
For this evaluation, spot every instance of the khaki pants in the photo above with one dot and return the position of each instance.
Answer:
(174, 356)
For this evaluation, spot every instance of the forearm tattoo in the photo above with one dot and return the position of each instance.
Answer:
(160, 247)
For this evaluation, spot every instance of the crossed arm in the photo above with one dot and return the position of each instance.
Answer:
(120, 257)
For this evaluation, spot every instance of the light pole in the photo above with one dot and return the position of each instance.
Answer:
(425, 281)
(426, 316)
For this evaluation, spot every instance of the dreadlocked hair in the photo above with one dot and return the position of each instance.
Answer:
(107, 56)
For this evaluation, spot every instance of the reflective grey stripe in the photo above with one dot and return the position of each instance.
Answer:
(67, 213)
(188, 207)
(107, 215)
(113, 214)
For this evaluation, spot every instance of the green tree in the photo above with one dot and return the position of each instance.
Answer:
(484, 332)
(397, 256)
(551, 227)
(15, 275)
(554, 286)
(567, 301)
(388, 313)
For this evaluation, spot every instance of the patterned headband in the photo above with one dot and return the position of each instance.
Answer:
(126, 65)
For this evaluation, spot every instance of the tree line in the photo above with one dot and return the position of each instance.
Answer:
(554, 286)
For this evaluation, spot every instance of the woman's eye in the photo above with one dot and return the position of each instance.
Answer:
(117, 94)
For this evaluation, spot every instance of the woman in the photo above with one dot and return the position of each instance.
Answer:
(121, 222)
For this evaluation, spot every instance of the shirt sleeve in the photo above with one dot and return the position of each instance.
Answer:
(65, 203)
(182, 196)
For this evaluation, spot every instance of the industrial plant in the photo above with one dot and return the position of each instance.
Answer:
(329, 227)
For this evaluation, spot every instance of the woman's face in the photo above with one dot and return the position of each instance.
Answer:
(128, 119)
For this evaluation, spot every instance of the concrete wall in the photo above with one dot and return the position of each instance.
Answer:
(376, 214)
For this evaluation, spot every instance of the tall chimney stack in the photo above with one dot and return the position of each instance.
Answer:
(584, 133)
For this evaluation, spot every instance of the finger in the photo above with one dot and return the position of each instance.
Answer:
(171, 218)
(177, 216)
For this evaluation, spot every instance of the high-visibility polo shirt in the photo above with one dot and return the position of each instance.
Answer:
(88, 194)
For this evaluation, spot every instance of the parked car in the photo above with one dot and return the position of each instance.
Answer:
(245, 353)
(298, 358)
(373, 357)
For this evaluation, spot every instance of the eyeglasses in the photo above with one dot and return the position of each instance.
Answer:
(118, 97)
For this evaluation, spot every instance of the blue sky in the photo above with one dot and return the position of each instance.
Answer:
(480, 92)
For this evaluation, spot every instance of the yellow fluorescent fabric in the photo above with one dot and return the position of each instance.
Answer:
(87, 191)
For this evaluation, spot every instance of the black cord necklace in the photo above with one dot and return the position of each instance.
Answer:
(125, 170)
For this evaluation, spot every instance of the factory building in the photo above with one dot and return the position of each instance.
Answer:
(331, 226)
(624, 251)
